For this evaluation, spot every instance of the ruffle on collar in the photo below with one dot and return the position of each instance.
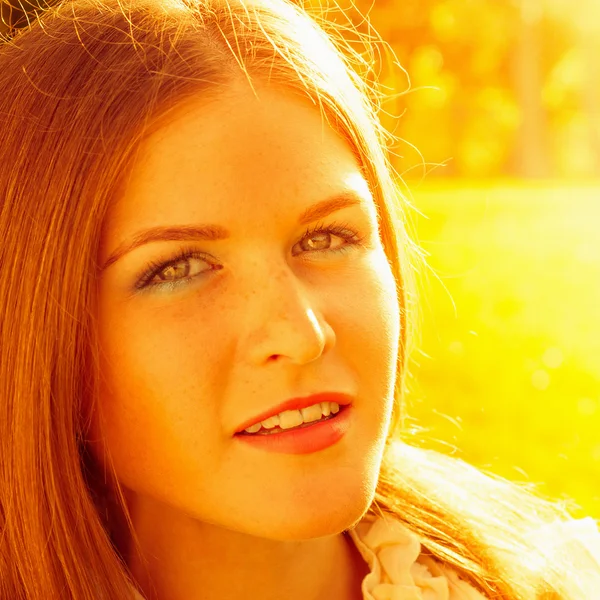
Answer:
(398, 570)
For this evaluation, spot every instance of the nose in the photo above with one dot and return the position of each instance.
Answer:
(284, 320)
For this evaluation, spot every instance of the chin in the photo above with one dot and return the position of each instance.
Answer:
(321, 517)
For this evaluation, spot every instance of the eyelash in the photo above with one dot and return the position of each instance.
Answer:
(153, 268)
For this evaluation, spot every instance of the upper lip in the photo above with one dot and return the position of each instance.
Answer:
(296, 404)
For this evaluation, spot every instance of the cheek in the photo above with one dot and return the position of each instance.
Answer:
(366, 320)
(373, 308)
(155, 391)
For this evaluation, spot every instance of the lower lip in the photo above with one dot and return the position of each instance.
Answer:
(306, 440)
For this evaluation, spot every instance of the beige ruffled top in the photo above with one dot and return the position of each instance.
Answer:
(398, 570)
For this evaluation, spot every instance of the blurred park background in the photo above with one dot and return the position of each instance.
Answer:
(499, 145)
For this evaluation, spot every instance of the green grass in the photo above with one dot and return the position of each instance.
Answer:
(507, 368)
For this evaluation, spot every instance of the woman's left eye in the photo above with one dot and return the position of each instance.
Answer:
(315, 240)
(323, 232)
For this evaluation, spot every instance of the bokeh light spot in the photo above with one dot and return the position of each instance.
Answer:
(553, 358)
(540, 380)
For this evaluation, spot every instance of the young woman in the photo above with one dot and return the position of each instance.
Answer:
(204, 323)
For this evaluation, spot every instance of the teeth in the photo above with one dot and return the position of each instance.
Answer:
(311, 413)
(253, 428)
(292, 418)
(270, 422)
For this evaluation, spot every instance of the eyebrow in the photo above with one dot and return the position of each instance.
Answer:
(165, 233)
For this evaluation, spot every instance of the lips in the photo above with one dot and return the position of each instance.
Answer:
(296, 404)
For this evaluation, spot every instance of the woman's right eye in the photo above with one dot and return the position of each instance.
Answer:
(180, 276)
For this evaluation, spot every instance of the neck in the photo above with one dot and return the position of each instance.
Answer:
(184, 559)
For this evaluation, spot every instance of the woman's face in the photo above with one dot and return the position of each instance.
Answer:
(266, 314)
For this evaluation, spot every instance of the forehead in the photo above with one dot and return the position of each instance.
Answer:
(242, 158)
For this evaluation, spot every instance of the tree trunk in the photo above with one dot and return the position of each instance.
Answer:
(531, 155)
(591, 97)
